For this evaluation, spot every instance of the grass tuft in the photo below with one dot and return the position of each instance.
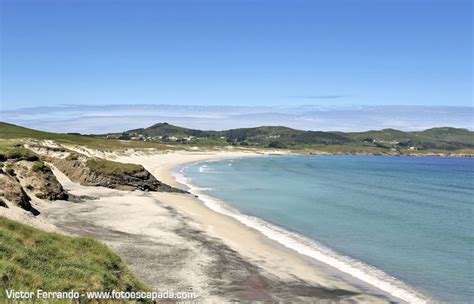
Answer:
(39, 166)
(9, 170)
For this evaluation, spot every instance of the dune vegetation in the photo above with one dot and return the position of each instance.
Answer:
(32, 259)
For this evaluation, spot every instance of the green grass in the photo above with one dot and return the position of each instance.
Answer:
(32, 259)
(107, 167)
(13, 132)
(39, 166)
(8, 151)
(9, 170)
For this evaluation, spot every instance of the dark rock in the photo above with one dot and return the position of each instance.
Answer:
(11, 190)
(139, 179)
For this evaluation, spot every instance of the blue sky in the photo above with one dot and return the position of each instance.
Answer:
(249, 53)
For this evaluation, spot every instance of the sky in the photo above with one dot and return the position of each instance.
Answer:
(102, 119)
(338, 53)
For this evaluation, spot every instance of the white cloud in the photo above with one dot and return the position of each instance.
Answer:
(116, 118)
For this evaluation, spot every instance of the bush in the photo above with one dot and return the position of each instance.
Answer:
(72, 156)
(9, 170)
(39, 166)
(277, 145)
(40, 195)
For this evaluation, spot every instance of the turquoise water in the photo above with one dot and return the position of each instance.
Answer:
(411, 218)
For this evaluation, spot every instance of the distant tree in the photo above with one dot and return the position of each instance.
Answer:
(124, 136)
(277, 145)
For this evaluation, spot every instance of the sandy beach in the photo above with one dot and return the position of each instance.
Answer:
(172, 242)
(272, 258)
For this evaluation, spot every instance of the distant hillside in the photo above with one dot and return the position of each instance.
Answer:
(13, 132)
(280, 137)
(166, 136)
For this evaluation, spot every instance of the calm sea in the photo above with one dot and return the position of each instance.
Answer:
(404, 225)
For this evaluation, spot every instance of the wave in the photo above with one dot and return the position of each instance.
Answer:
(204, 169)
(309, 247)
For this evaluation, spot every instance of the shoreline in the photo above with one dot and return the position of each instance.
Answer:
(172, 242)
(265, 251)
(365, 276)
(196, 239)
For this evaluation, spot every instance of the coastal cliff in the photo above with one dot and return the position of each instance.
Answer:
(100, 172)
(95, 171)
(38, 178)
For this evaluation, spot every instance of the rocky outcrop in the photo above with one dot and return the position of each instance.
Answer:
(38, 179)
(11, 190)
(23, 175)
(100, 172)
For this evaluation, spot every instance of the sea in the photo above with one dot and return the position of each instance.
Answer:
(403, 225)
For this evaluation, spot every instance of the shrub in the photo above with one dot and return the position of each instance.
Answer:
(39, 166)
(72, 156)
(9, 170)
(40, 195)
(277, 145)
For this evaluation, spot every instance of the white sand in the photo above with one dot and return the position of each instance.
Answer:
(25, 217)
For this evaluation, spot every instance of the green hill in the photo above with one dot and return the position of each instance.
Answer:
(376, 141)
(14, 132)
(278, 136)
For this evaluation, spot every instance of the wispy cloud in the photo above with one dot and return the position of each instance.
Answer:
(329, 96)
(116, 118)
